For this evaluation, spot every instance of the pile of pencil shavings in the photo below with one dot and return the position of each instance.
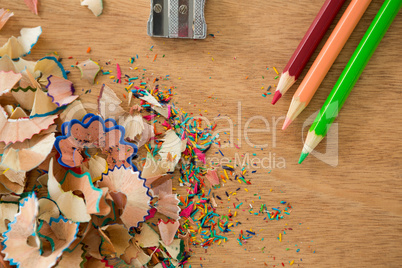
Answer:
(71, 194)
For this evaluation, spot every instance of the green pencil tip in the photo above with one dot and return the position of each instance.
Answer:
(302, 157)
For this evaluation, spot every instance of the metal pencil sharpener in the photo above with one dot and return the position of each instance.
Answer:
(177, 19)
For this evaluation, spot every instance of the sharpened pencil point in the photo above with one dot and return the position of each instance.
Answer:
(277, 96)
(287, 122)
(302, 157)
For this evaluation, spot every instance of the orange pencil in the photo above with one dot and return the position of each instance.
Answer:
(326, 58)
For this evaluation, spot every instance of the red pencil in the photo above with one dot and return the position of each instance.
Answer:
(307, 46)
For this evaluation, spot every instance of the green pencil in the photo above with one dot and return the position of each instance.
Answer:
(350, 75)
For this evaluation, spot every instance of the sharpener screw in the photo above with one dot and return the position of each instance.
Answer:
(158, 8)
(183, 9)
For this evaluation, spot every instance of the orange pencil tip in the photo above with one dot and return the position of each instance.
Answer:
(287, 122)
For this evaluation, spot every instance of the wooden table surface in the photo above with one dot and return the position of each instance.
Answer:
(347, 215)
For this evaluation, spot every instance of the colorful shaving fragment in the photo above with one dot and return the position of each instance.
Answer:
(48, 66)
(16, 246)
(21, 46)
(92, 132)
(5, 15)
(74, 207)
(33, 5)
(109, 104)
(168, 205)
(8, 80)
(60, 90)
(168, 230)
(20, 129)
(96, 6)
(29, 154)
(118, 73)
(129, 183)
(89, 70)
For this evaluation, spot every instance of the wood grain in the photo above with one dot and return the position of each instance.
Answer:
(344, 216)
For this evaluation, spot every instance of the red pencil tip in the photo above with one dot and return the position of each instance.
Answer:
(288, 121)
(277, 96)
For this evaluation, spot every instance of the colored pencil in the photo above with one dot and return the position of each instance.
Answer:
(307, 46)
(326, 58)
(350, 75)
